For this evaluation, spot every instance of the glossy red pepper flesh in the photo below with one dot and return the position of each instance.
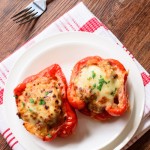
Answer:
(108, 112)
(69, 124)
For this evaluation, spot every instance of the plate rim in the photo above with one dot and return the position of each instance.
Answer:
(71, 34)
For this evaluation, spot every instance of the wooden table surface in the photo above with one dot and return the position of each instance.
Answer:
(129, 20)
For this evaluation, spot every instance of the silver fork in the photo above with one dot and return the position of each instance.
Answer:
(32, 11)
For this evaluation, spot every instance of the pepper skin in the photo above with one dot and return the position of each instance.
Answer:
(83, 102)
(65, 125)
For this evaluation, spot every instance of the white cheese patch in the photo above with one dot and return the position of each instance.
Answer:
(101, 81)
(85, 78)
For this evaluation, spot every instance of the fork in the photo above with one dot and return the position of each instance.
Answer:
(32, 11)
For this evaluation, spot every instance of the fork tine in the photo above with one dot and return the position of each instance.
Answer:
(24, 10)
(26, 21)
(24, 15)
(29, 16)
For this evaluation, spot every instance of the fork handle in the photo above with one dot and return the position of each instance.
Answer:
(41, 3)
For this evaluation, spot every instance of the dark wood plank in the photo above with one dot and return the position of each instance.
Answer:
(133, 31)
(129, 20)
(18, 35)
(142, 144)
(139, 45)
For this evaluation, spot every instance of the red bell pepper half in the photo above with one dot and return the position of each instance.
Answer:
(68, 121)
(79, 97)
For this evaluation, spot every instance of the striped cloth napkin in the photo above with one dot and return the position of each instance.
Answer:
(78, 18)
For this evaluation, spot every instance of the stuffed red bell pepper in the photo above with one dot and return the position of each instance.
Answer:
(42, 104)
(97, 88)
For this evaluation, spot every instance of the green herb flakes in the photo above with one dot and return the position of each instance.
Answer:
(30, 110)
(31, 100)
(42, 102)
(108, 82)
(89, 78)
(113, 92)
(93, 74)
(23, 104)
(46, 93)
(49, 135)
(101, 83)
(94, 86)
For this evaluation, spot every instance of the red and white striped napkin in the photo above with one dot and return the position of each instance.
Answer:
(78, 18)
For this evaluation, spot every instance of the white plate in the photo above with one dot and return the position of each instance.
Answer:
(66, 49)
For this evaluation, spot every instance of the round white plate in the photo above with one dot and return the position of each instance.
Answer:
(66, 49)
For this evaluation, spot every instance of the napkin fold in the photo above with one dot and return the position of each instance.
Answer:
(78, 18)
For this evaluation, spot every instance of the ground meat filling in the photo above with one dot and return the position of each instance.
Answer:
(40, 104)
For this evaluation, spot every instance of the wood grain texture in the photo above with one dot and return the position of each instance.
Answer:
(129, 20)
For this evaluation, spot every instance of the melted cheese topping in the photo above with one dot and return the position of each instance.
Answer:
(40, 105)
(98, 85)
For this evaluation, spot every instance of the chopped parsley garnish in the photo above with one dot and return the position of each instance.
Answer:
(101, 83)
(23, 104)
(46, 93)
(42, 102)
(94, 86)
(99, 87)
(49, 135)
(89, 78)
(108, 82)
(31, 100)
(113, 92)
(93, 74)
(30, 110)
